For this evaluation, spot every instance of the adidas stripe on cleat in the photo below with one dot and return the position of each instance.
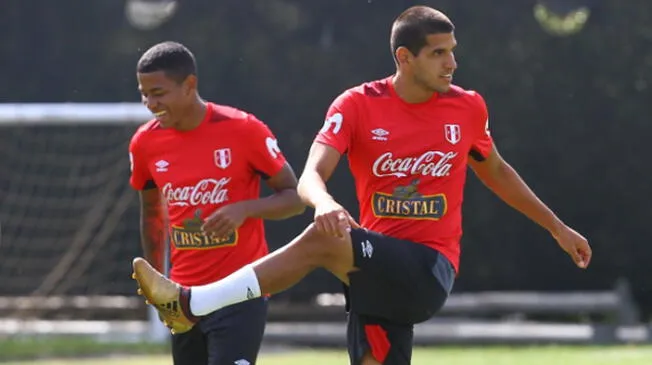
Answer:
(170, 299)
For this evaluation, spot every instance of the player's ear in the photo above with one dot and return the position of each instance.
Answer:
(190, 84)
(403, 55)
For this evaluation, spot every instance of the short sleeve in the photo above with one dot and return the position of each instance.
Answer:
(482, 143)
(141, 178)
(266, 156)
(337, 130)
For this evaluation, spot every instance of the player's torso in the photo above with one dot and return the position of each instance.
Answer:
(197, 172)
(410, 161)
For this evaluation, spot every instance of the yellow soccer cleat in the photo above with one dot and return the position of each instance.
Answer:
(169, 298)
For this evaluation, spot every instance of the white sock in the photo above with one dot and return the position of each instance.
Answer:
(238, 287)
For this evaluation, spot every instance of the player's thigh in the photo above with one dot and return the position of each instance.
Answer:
(388, 343)
(398, 280)
(189, 348)
(237, 337)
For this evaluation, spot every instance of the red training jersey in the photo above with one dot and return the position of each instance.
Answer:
(409, 161)
(218, 163)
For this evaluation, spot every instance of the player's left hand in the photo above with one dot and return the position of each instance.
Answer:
(575, 245)
(225, 220)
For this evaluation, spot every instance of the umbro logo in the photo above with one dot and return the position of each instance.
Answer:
(250, 293)
(161, 165)
(367, 249)
(379, 134)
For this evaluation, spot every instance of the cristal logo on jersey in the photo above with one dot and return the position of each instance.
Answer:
(453, 133)
(222, 157)
(406, 202)
(206, 191)
(189, 235)
(432, 163)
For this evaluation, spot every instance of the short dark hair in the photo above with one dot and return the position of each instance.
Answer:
(170, 57)
(411, 28)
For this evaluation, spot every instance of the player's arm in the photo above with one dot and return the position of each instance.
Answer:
(267, 160)
(322, 161)
(333, 140)
(152, 227)
(330, 217)
(152, 217)
(284, 203)
(506, 183)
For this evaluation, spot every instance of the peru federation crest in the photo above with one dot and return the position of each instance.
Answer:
(453, 133)
(223, 157)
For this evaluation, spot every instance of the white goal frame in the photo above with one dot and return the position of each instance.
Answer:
(49, 114)
(72, 113)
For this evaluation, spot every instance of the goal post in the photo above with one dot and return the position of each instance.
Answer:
(68, 222)
(12, 114)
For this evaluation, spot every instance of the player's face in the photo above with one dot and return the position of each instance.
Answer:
(435, 64)
(166, 98)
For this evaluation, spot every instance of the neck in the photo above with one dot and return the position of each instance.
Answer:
(408, 90)
(194, 115)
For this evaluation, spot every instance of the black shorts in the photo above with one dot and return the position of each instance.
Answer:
(231, 335)
(399, 283)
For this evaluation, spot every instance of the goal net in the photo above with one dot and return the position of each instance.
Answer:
(69, 220)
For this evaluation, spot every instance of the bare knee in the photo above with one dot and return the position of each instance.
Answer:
(322, 247)
(323, 250)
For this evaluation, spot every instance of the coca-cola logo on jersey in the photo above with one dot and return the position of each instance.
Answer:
(431, 163)
(206, 191)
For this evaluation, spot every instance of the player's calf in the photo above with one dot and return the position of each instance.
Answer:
(310, 250)
(269, 275)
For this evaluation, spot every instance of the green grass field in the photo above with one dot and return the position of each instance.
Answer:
(548, 355)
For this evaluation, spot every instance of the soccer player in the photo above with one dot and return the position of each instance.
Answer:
(206, 162)
(409, 139)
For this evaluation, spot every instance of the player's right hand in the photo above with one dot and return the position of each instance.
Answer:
(331, 218)
(575, 245)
